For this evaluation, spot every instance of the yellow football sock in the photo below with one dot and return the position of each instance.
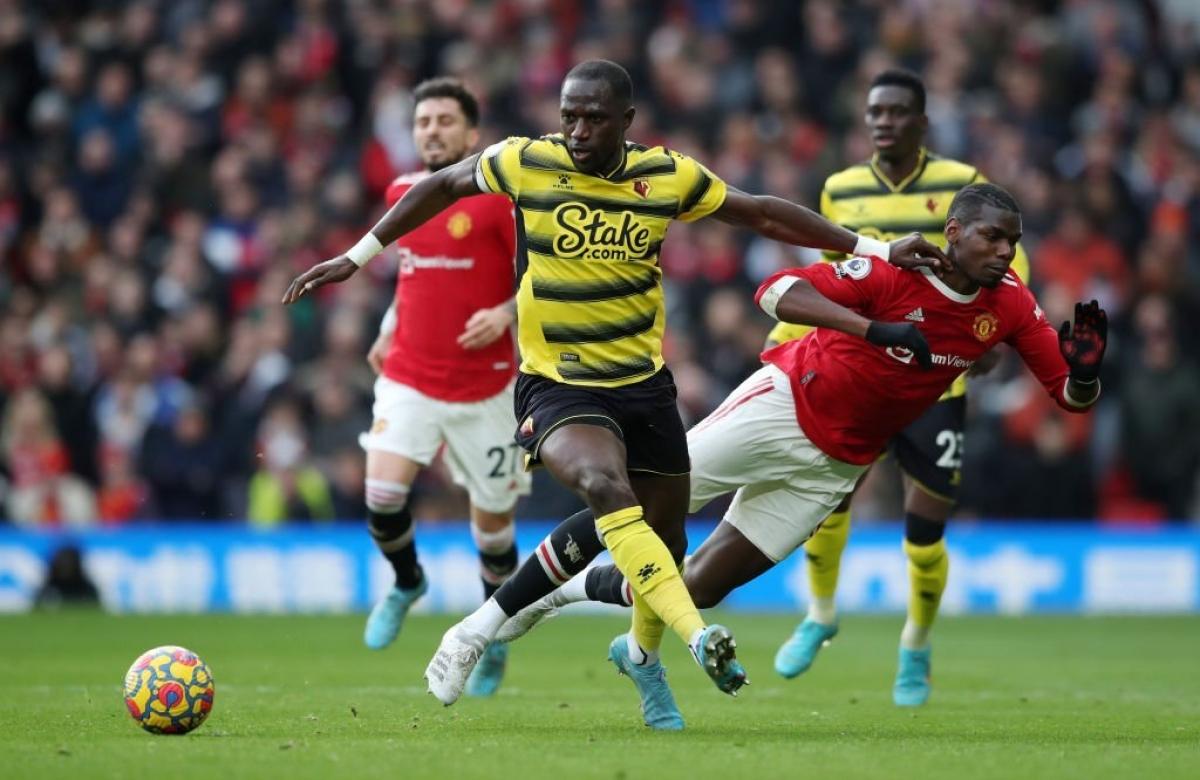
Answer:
(648, 566)
(647, 628)
(928, 570)
(824, 554)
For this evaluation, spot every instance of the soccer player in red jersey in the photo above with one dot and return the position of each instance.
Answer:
(446, 365)
(794, 438)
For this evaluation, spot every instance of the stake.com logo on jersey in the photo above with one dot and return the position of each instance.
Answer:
(905, 355)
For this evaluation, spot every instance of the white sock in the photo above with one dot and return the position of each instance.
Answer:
(574, 591)
(914, 637)
(486, 620)
(822, 610)
(637, 654)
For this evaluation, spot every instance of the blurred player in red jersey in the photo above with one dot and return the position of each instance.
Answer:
(446, 365)
(794, 438)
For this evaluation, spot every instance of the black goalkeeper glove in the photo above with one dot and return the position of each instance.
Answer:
(1082, 346)
(901, 334)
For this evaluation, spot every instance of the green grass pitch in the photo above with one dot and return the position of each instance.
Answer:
(299, 697)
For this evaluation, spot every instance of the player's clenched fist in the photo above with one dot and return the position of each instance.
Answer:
(901, 334)
(339, 269)
(1082, 345)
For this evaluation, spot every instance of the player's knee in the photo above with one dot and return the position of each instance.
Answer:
(700, 586)
(494, 542)
(922, 531)
(605, 490)
(384, 497)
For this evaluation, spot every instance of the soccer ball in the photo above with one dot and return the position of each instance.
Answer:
(168, 690)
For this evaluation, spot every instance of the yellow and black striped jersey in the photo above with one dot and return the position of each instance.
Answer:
(862, 199)
(590, 303)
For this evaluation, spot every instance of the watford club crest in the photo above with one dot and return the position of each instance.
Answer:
(985, 326)
(642, 188)
(459, 224)
(527, 426)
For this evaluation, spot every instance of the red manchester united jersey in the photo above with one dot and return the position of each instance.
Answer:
(853, 396)
(455, 264)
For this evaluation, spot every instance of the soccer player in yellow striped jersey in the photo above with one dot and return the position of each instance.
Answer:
(594, 403)
(902, 188)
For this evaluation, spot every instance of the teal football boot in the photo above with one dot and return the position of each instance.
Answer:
(489, 672)
(658, 703)
(387, 617)
(912, 678)
(800, 650)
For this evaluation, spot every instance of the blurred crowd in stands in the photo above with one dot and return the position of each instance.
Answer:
(167, 166)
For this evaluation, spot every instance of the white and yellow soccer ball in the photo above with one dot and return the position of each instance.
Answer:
(168, 690)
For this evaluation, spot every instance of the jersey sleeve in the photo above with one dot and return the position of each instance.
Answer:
(1036, 341)
(499, 167)
(859, 283)
(702, 191)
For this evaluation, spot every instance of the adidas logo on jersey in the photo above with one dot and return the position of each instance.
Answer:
(916, 315)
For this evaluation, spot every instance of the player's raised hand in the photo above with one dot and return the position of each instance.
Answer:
(1082, 345)
(485, 326)
(914, 251)
(903, 335)
(339, 269)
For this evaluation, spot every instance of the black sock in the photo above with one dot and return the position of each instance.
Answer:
(564, 553)
(921, 531)
(393, 534)
(607, 584)
(496, 568)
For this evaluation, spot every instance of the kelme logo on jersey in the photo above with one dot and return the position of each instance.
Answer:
(594, 234)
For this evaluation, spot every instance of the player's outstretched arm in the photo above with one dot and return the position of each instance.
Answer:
(1067, 361)
(425, 199)
(792, 223)
(793, 299)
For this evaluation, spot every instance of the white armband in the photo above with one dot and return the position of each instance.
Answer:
(367, 247)
(872, 247)
(770, 298)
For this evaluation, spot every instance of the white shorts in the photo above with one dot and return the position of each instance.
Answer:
(480, 449)
(785, 485)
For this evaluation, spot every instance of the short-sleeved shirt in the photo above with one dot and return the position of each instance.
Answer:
(853, 396)
(590, 303)
(457, 263)
(861, 198)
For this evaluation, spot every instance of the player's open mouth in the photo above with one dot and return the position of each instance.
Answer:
(581, 155)
(884, 140)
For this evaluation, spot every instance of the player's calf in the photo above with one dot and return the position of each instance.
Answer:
(391, 526)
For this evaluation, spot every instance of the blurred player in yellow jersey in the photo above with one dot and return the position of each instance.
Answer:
(901, 189)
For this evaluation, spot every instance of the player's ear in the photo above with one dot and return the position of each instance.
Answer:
(952, 230)
(628, 117)
(472, 137)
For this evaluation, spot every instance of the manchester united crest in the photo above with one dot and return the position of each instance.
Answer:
(985, 326)
(642, 188)
(459, 224)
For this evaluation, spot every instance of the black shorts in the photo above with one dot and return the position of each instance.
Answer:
(931, 449)
(643, 414)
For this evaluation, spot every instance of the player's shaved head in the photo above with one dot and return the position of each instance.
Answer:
(968, 204)
(609, 73)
